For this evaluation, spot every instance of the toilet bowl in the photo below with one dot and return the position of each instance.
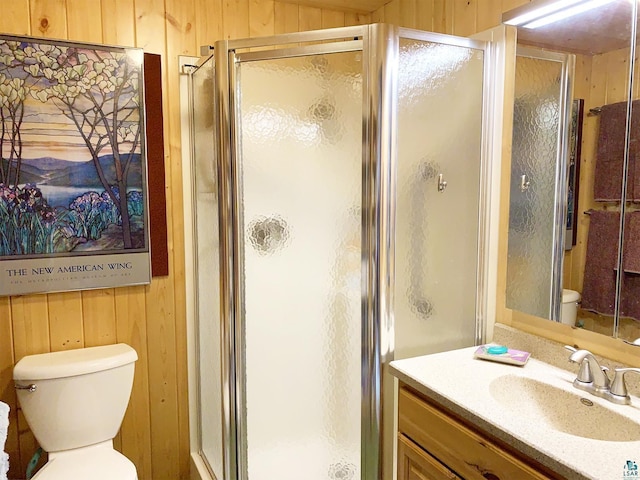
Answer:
(74, 402)
(569, 310)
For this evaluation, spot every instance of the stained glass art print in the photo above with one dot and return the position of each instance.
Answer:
(73, 171)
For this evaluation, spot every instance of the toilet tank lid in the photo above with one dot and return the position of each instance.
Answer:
(70, 363)
(569, 296)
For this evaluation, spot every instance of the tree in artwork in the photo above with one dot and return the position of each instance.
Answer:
(70, 146)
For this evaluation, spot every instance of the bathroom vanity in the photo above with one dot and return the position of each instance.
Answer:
(434, 443)
(459, 417)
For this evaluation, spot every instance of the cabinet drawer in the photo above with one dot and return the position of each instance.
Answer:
(416, 464)
(462, 449)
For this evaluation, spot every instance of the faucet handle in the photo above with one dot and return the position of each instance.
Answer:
(619, 387)
(584, 374)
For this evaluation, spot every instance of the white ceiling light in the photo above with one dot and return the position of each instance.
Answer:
(554, 12)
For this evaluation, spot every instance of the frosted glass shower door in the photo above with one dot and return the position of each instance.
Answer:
(300, 163)
(440, 113)
(537, 161)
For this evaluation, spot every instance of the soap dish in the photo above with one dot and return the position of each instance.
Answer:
(502, 354)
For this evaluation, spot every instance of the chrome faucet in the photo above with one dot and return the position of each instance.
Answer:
(593, 378)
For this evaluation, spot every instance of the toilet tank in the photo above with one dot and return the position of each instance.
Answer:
(77, 397)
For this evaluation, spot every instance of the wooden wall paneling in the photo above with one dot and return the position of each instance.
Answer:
(377, 16)
(261, 18)
(84, 21)
(131, 328)
(181, 40)
(424, 15)
(150, 26)
(118, 23)
(285, 18)
(99, 314)
(209, 27)
(163, 381)
(48, 18)
(511, 4)
(465, 13)
(30, 325)
(409, 13)
(30, 336)
(7, 392)
(15, 18)
(332, 19)
(356, 19)
(489, 14)
(392, 12)
(617, 75)
(65, 321)
(309, 18)
(443, 16)
(236, 18)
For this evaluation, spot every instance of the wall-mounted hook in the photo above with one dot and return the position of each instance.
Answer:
(442, 184)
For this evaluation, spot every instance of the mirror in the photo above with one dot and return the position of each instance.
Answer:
(593, 47)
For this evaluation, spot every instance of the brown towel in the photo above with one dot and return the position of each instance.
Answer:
(599, 289)
(630, 301)
(633, 183)
(631, 254)
(610, 157)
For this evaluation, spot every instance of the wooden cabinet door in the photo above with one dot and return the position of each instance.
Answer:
(416, 464)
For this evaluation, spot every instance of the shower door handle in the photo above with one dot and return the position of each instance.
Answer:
(525, 183)
(442, 184)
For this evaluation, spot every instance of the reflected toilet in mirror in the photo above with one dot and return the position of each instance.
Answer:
(572, 209)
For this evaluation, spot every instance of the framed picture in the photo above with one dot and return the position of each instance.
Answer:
(573, 175)
(73, 169)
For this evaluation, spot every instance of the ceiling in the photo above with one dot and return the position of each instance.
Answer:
(596, 31)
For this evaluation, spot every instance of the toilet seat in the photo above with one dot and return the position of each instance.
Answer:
(98, 462)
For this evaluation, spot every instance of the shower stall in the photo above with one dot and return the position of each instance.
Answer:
(340, 205)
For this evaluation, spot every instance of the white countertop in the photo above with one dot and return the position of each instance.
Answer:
(460, 383)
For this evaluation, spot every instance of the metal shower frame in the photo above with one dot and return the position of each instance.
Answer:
(379, 44)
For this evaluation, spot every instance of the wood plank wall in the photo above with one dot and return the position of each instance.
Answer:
(154, 434)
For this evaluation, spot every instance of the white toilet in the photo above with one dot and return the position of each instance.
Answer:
(569, 310)
(74, 402)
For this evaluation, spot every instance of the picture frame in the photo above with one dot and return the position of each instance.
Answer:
(74, 200)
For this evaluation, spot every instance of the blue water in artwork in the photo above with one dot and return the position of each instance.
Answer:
(63, 196)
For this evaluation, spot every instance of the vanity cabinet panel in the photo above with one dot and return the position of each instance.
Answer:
(462, 448)
(416, 464)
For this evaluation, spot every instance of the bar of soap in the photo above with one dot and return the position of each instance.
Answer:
(502, 354)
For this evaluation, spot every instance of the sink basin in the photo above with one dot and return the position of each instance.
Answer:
(573, 413)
